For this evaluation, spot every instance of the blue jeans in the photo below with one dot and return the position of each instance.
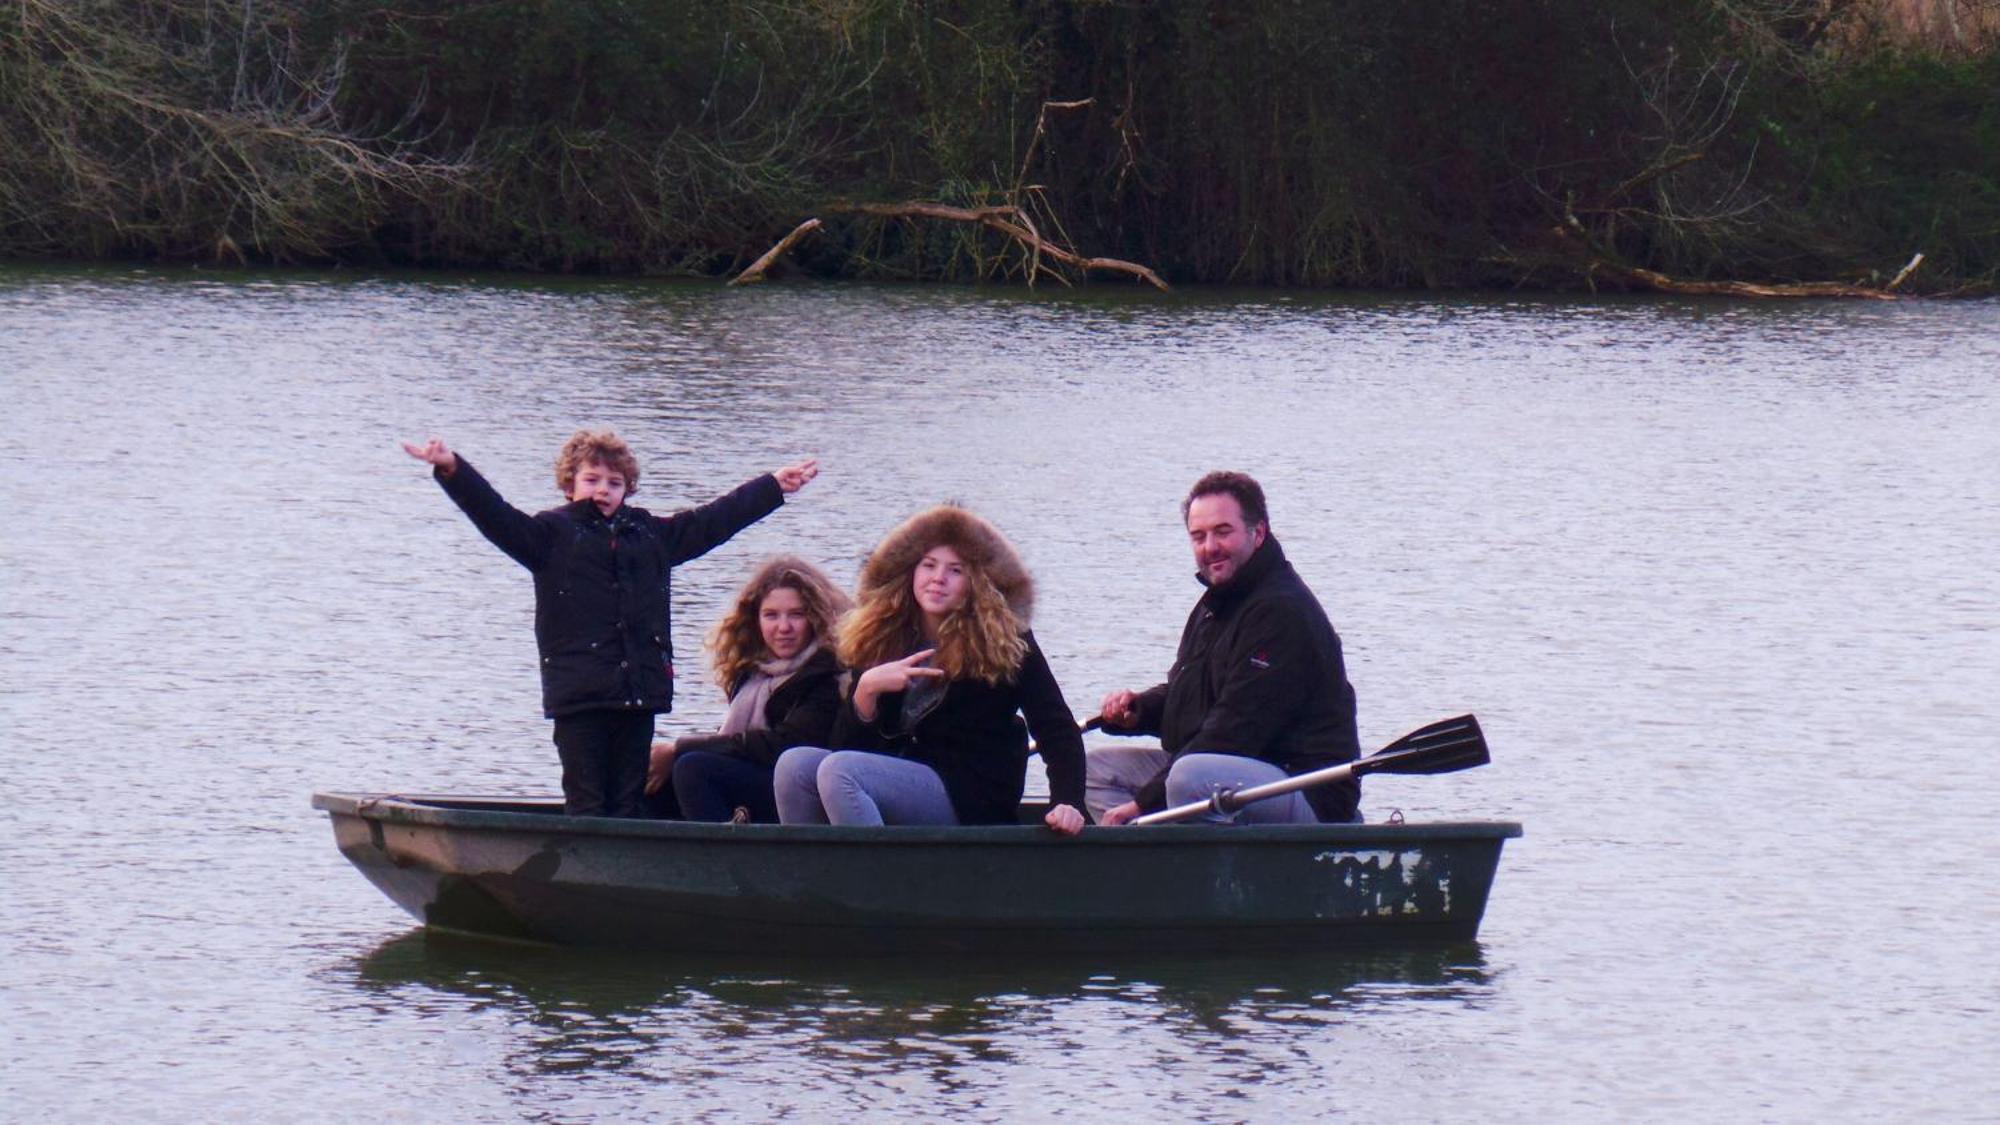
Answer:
(713, 786)
(1196, 777)
(815, 786)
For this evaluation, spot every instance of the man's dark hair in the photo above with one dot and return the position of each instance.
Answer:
(1223, 482)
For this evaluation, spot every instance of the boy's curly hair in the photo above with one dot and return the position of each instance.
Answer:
(737, 641)
(602, 446)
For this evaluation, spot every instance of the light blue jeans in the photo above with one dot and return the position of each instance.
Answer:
(1197, 777)
(1115, 774)
(815, 786)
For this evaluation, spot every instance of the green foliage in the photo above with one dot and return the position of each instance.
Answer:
(1909, 153)
(1300, 142)
(146, 130)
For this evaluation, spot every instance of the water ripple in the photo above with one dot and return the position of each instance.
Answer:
(1714, 575)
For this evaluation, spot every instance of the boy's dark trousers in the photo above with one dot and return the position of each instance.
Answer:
(604, 756)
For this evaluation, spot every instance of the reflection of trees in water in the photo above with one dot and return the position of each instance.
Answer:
(940, 1022)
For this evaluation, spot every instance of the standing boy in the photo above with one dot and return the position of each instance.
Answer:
(602, 594)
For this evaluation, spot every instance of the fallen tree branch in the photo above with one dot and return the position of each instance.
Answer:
(757, 268)
(1906, 271)
(1004, 220)
(921, 210)
(1041, 128)
(1651, 174)
(1599, 261)
(1654, 280)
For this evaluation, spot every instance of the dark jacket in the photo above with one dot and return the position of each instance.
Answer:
(602, 585)
(1259, 673)
(974, 739)
(800, 712)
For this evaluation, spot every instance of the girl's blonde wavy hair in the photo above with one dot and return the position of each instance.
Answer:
(982, 640)
(736, 644)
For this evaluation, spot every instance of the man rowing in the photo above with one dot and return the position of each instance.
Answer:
(1258, 690)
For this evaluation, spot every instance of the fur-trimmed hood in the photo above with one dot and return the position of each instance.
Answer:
(975, 540)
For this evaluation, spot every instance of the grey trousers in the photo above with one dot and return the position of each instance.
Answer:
(1113, 775)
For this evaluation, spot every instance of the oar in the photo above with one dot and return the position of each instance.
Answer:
(1085, 727)
(1446, 746)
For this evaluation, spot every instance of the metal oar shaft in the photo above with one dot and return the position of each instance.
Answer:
(1446, 746)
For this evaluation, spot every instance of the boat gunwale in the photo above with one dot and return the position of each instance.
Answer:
(426, 810)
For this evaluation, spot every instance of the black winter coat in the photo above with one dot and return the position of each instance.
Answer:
(602, 585)
(801, 712)
(1259, 673)
(974, 739)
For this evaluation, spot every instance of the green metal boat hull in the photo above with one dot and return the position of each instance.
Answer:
(516, 868)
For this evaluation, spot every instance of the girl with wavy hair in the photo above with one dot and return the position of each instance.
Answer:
(931, 732)
(774, 658)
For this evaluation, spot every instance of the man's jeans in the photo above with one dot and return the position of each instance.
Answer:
(1113, 775)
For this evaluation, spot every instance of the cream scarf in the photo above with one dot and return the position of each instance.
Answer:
(746, 707)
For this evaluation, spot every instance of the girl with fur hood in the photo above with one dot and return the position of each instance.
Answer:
(774, 660)
(931, 731)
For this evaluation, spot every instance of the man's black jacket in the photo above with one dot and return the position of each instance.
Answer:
(1259, 673)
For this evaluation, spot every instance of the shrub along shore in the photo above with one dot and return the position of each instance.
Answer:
(1457, 143)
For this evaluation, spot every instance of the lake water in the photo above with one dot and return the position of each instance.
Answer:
(1717, 578)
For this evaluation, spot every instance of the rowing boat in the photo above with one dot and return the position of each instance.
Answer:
(512, 867)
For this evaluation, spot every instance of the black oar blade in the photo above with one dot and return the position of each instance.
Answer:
(1442, 747)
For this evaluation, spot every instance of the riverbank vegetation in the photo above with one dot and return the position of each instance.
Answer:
(1541, 143)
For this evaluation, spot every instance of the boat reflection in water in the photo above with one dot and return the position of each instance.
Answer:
(516, 868)
(564, 1034)
(883, 1000)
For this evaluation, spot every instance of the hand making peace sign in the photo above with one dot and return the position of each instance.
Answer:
(894, 676)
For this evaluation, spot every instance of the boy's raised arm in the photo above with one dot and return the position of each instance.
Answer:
(791, 478)
(505, 526)
(436, 453)
(697, 531)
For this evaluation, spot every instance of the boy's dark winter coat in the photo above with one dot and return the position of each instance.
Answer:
(602, 584)
(1259, 673)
